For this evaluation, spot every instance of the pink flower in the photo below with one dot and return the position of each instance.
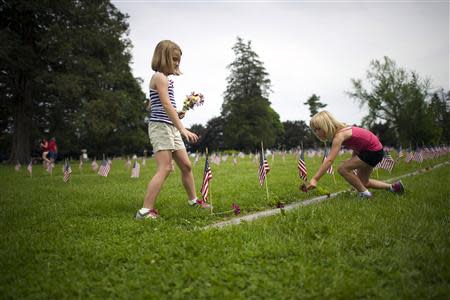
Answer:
(236, 209)
(194, 99)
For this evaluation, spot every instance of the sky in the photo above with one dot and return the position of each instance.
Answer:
(307, 47)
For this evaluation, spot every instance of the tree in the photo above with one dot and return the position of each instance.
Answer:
(297, 133)
(400, 98)
(314, 104)
(246, 110)
(66, 74)
(440, 107)
(213, 137)
(200, 130)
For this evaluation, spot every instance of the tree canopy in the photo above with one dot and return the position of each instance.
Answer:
(396, 98)
(246, 111)
(314, 104)
(65, 73)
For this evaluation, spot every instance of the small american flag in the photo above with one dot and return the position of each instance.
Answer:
(330, 169)
(135, 170)
(301, 165)
(104, 169)
(128, 163)
(50, 166)
(409, 156)
(30, 168)
(418, 156)
(67, 171)
(263, 168)
(207, 176)
(400, 153)
(386, 163)
(17, 167)
(94, 165)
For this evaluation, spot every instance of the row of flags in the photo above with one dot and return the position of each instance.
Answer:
(387, 163)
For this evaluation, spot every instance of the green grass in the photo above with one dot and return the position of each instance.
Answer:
(79, 240)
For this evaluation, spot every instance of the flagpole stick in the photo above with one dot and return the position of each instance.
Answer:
(334, 179)
(210, 201)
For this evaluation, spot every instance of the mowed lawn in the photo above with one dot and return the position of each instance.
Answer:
(79, 240)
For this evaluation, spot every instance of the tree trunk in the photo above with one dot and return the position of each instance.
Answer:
(21, 150)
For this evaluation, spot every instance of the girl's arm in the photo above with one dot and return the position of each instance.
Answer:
(162, 85)
(326, 164)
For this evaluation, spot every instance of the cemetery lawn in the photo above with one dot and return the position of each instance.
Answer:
(79, 240)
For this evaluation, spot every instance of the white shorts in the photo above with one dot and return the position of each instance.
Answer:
(164, 136)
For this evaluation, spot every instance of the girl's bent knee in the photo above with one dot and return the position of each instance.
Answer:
(342, 171)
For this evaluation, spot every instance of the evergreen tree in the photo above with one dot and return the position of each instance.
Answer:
(314, 104)
(246, 110)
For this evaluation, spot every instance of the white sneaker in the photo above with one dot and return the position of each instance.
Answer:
(365, 195)
(151, 214)
(199, 203)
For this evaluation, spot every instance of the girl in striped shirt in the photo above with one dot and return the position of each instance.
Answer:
(165, 130)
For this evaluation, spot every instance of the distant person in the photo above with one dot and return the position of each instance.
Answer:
(165, 130)
(52, 149)
(44, 150)
(367, 153)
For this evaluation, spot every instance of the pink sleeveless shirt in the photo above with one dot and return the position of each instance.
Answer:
(362, 140)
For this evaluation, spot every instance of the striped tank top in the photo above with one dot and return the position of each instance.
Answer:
(158, 114)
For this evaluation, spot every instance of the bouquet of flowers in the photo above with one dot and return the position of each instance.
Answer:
(194, 99)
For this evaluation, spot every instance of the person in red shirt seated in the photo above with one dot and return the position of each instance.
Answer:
(52, 149)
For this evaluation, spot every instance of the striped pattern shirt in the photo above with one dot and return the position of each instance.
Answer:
(158, 114)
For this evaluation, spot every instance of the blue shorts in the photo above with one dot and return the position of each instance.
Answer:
(52, 155)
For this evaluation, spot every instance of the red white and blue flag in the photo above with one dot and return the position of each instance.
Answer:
(67, 171)
(135, 170)
(207, 176)
(104, 169)
(263, 168)
(386, 163)
(30, 167)
(94, 165)
(302, 171)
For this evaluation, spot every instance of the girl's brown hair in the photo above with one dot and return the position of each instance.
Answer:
(165, 56)
(325, 121)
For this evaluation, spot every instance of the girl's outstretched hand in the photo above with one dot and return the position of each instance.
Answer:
(311, 185)
(190, 136)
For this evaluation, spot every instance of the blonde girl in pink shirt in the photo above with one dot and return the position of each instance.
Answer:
(367, 153)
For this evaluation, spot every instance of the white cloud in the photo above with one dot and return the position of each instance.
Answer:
(307, 47)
